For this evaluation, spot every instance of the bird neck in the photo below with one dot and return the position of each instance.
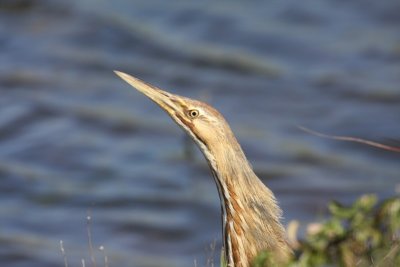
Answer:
(234, 173)
(249, 209)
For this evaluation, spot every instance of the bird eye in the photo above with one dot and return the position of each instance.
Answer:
(193, 113)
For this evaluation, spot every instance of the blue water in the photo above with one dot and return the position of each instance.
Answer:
(74, 138)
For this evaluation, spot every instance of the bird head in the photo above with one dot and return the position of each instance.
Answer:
(202, 122)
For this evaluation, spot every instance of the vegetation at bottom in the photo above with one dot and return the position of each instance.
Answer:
(365, 233)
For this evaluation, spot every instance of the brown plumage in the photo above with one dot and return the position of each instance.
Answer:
(250, 214)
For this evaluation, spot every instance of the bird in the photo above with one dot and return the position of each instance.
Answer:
(250, 214)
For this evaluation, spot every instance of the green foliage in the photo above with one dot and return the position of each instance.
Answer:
(362, 234)
(264, 259)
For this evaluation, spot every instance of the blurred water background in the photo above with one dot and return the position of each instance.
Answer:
(74, 138)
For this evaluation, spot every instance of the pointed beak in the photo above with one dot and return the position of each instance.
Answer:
(162, 98)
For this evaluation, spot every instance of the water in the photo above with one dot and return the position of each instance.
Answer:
(74, 138)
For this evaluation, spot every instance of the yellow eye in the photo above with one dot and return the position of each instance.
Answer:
(193, 113)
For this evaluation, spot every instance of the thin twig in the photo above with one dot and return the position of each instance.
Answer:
(351, 139)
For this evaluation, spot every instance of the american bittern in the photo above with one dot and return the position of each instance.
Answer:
(250, 214)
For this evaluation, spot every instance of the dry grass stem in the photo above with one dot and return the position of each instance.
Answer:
(292, 230)
(103, 250)
(90, 243)
(63, 253)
